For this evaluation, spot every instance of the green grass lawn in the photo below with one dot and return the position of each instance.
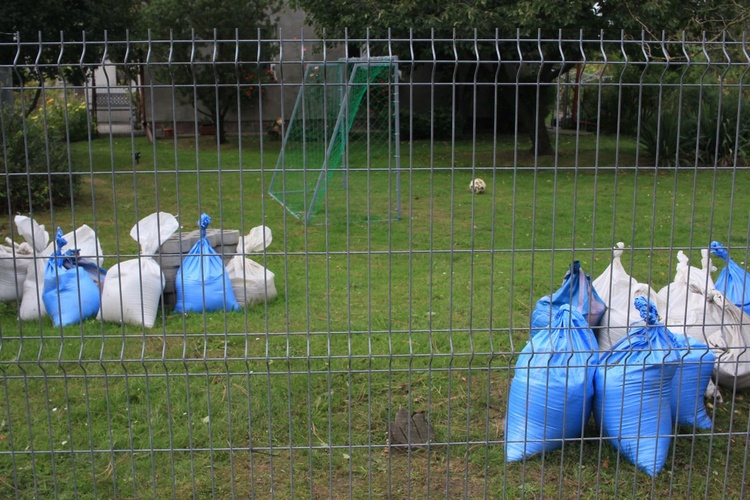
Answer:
(424, 313)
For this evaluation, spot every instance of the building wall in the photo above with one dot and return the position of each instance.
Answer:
(164, 106)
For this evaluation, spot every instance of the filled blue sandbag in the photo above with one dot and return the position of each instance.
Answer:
(578, 292)
(553, 387)
(70, 294)
(202, 281)
(632, 391)
(733, 280)
(690, 381)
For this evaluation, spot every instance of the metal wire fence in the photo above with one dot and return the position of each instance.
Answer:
(356, 356)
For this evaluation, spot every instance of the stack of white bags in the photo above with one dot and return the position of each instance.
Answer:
(690, 305)
(131, 292)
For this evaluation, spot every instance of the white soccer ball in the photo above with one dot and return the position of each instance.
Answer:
(477, 186)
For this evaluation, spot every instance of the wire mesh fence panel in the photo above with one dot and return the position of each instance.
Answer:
(577, 328)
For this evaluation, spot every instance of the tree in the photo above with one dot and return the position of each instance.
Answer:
(509, 18)
(22, 26)
(206, 32)
(465, 20)
(672, 17)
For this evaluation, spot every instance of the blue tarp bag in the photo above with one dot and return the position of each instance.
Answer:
(632, 392)
(553, 387)
(202, 279)
(690, 381)
(733, 281)
(576, 291)
(70, 294)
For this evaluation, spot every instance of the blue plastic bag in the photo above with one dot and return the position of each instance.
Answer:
(202, 281)
(70, 294)
(733, 280)
(632, 391)
(690, 381)
(553, 387)
(577, 291)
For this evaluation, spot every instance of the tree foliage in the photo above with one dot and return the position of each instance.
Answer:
(658, 19)
(36, 173)
(23, 25)
(413, 20)
(206, 49)
(507, 19)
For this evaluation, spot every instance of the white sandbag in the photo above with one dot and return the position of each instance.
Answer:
(15, 259)
(251, 282)
(730, 343)
(258, 239)
(698, 309)
(684, 300)
(14, 263)
(618, 290)
(34, 234)
(133, 288)
(84, 238)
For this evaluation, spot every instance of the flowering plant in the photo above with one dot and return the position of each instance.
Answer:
(67, 116)
(253, 82)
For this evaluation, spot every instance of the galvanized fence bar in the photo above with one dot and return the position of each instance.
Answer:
(395, 341)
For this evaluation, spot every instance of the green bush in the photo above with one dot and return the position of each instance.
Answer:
(625, 94)
(35, 174)
(71, 111)
(722, 134)
(659, 138)
(720, 137)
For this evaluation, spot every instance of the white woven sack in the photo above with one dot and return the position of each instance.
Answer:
(697, 308)
(258, 239)
(14, 264)
(84, 238)
(16, 258)
(133, 288)
(251, 282)
(618, 290)
(731, 344)
(683, 303)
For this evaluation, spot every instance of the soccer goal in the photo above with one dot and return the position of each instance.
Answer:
(340, 150)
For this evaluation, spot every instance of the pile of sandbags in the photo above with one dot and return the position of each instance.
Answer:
(66, 275)
(641, 373)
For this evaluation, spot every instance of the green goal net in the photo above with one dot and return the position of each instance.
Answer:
(340, 150)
